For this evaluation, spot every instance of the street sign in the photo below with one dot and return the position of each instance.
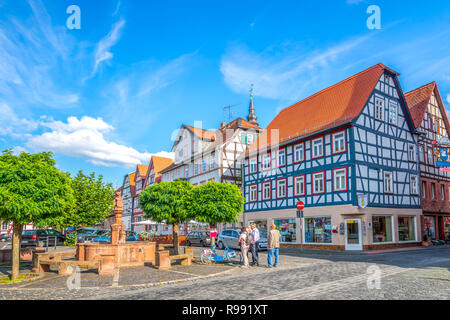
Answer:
(299, 213)
(300, 205)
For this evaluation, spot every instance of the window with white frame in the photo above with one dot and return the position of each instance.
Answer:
(4, 225)
(388, 183)
(393, 112)
(448, 193)
(266, 161)
(281, 157)
(340, 179)
(299, 152)
(317, 148)
(421, 157)
(253, 194)
(430, 156)
(195, 168)
(266, 190)
(203, 165)
(433, 191)
(379, 108)
(424, 189)
(281, 188)
(339, 142)
(211, 162)
(318, 180)
(253, 165)
(299, 185)
(411, 152)
(186, 171)
(442, 192)
(414, 184)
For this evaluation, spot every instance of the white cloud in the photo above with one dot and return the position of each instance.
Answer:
(448, 98)
(281, 73)
(104, 46)
(85, 138)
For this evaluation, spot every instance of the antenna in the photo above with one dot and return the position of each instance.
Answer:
(229, 110)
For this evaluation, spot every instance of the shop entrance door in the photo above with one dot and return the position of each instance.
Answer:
(353, 237)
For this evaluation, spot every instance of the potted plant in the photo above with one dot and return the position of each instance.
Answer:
(426, 241)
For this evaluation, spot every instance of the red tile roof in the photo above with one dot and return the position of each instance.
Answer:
(335, 105)
(417, 101)
(202, 133)
(160, 163)
(142, 169)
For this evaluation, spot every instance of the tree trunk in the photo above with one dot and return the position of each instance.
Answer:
(15, 258)
(176, 246)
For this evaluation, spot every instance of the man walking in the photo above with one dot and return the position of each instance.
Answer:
(273, 246)
(254, 246)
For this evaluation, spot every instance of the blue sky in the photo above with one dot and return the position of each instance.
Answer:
(112, 93)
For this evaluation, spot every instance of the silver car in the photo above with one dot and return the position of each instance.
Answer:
(230, 237)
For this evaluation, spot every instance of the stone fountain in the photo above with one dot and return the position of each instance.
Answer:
(117, 253)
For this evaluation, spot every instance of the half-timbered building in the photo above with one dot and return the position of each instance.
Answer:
(432, 127)
(153, 175)
(128, 190)
(139, 181)
(349, 154)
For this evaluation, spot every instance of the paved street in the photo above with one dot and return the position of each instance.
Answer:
(414, 274)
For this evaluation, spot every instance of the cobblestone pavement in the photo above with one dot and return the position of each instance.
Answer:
(419, 274)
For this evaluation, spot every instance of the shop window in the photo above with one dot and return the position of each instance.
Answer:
(318, 230)
(406, 228)
(430, 227)
(447, 228)
(262, 227)
(299, 152)
(288, 230)
(382, 229)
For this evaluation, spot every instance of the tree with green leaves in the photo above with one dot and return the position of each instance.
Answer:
(215, 202)
(94, 200)
(166, 202)
(32, 190)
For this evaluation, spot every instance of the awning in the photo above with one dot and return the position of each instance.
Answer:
(146, 222)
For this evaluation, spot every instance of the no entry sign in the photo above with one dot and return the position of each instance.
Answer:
(300, 205)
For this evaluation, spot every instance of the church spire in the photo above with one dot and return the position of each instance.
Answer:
(251, 110)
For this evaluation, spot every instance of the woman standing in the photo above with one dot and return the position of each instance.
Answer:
(245, 244)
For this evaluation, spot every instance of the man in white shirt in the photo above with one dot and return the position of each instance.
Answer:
(254, 246)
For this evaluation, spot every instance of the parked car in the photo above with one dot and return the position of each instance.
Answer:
(39, 238)
(106, 236)
(87, 234)
(5, 237)
(69, 231)
(198, 237)
(230, 237)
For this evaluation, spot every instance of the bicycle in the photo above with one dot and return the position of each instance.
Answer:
(229, 255)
